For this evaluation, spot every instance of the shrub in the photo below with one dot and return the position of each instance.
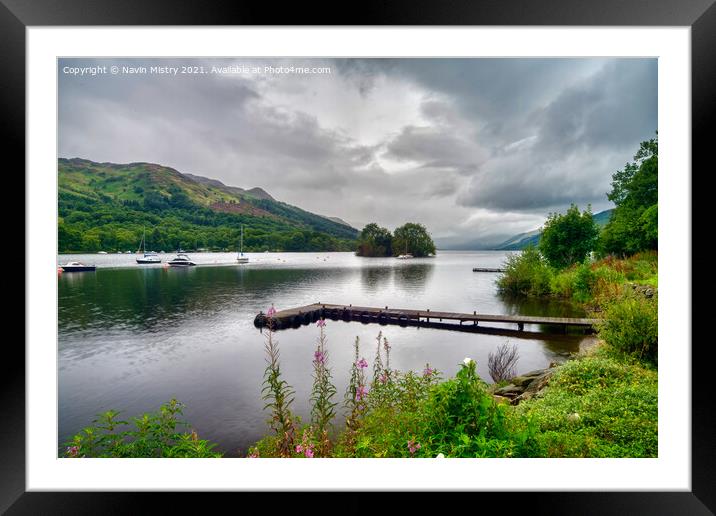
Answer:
(501, 363)
(154, 435)
(630, 327)
(526, 274)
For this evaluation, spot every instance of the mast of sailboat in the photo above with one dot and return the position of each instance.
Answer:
(143, 245)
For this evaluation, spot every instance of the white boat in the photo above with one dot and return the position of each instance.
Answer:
(101, 252)
(241, 258)
(181, 260)
(404, 256)
(147, 257)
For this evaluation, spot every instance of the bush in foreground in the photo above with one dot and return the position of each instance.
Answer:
(154, 435)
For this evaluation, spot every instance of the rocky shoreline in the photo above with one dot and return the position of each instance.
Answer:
(525, 386)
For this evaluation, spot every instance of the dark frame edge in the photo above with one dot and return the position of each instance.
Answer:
(701, 500)
(703, 113)
(12, 395)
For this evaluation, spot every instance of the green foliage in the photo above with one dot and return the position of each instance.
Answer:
(597, 406)
(375, 241)
(526, 273)
(412, 238)
(153, 435)
(278, 396)
(630, 326)
(634, 223)
(569, 238)
(322, 394)
(106, 207)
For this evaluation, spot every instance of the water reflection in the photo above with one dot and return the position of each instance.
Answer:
(375, 278)
(413, 277)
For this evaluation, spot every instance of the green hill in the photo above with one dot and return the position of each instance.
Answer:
(105, 206)
(521, 241)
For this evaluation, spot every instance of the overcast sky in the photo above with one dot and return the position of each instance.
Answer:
(475, 149)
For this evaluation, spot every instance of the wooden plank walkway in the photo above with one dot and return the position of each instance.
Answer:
(294, 317)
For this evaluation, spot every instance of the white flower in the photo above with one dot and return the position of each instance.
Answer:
(440, 456)
(467, 361)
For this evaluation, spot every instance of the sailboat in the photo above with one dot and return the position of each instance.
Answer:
(407, 255)
(241, 258)
(148, 257)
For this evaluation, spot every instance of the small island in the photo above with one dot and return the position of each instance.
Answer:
(409, 239)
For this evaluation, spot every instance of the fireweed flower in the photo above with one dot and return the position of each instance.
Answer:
(361, 391)
(413, 446)
(271, 311)
(319, 357)
(428, 371)
(309, 453)
(299, 449)
(321, 323)
(383, 377)
(73, 450)
(362, 363)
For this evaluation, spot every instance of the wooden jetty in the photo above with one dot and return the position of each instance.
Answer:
(295, 317)
(487, 269)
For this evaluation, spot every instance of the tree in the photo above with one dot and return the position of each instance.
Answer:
(374, 241)
(634, 223)
(414, 239)
(569, 238)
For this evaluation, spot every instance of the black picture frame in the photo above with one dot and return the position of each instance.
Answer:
(700, 15)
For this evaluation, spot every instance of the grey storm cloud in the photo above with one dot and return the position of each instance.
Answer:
(473, 148)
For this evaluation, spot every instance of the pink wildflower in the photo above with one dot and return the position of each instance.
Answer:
(413, 446)
(73, 450)
(271, 311)
(309, 453)
(428, 371)
(383, 377)
(321, 323)
(319, 357)
(362, 363)
(299, 449)
(361, 392)
(254, 455)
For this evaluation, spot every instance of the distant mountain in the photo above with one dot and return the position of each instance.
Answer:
(105, 206)
(339, 221)
(258, 193)
(521, 241)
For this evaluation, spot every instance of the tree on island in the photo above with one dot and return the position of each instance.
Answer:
(569, 238)
(374, 241)
(634, 224)
(413, 238)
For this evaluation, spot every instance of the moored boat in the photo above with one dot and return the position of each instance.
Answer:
(77, 267)
(181, 260)
(148, 257)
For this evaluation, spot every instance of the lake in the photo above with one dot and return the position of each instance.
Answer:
(132, 337)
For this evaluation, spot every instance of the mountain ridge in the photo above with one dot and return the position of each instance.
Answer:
(189, 207)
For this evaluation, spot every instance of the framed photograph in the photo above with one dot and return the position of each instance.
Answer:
(255, 239)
